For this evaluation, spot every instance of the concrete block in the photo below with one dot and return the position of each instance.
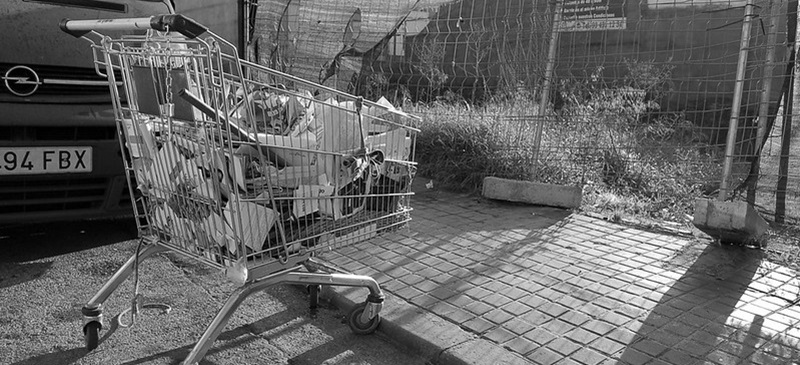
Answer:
(532, 192)
(730, 221)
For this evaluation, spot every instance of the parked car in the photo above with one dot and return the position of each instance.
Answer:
(59, 152)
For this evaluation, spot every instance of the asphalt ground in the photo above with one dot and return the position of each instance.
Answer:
(48, 272)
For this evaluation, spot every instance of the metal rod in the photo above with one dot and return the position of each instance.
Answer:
(766, 93)
(223, 316)
(123, 273)
(80, 27)
(790, 116)
(162, 22)
(334, 279)
(738, 89)
(290, 275)
(547, 83)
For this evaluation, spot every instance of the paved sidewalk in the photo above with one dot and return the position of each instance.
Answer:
(483, 282)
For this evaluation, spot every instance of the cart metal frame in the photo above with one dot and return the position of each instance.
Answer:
(288, 255)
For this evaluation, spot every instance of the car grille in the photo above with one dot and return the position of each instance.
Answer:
(63, 199)
(60, 80)
(102, 193)
(40, 195)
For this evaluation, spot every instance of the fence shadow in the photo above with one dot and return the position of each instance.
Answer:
(691, 318)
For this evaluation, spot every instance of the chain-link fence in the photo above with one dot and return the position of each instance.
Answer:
(632, 100)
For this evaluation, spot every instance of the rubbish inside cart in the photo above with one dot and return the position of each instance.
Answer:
(241, 168)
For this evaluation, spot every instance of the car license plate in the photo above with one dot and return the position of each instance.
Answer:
(45, 160)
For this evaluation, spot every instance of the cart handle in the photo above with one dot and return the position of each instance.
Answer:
(172, 22)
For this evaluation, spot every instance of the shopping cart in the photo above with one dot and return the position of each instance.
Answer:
(244, 168)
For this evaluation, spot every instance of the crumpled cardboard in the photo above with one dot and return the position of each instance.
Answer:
(380, 118)
(252, 221)
(246, 163)
(294, 176)
(341, 130)
(308, 200)
(328, 165)
(168, 170)
(220, 232)
(292, 150)
(165, 219)
(276, 114)
(250, 170)
(139, 138)
(395, 144)
(398, 171)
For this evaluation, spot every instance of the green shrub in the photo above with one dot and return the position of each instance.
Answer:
(631, 157)
(460, 146)
(616, 137)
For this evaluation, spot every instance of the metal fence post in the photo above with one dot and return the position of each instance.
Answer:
(547, 84)
(786, 133)
(738, 89)
(764, 105)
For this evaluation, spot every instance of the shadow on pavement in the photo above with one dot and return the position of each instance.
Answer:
(29, 242)
(456, 257)
(28, 249)
(72, 355)
(13, 273)
(55, 358)
(233, 338)
(690, 322)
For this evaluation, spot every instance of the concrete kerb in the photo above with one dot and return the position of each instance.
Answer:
(436, 339)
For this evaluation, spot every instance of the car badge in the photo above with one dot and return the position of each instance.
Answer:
(21, 81)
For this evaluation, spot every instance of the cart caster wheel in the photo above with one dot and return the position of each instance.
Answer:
(358, 327)
(91, 335)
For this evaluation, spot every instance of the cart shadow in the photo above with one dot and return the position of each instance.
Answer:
(526, 230)
(55, 358)
(13, 273)
(72, 355)
(230, 339)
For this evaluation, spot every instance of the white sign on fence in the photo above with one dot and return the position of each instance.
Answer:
(591, 15)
